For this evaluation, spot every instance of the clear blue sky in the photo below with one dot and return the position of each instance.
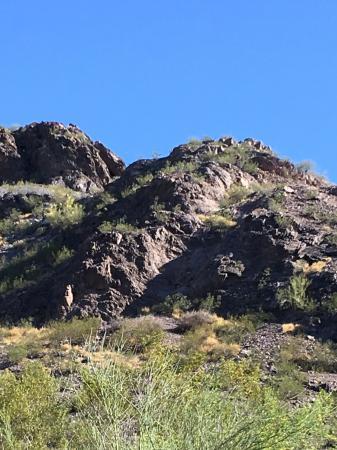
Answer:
(145, 75)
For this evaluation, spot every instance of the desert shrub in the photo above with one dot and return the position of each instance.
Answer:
(239, 155)
(295, 295)
(289, 380)
(194, 141)
(180, 167)
(75, 331)
(103, 199)
(159, 210)
(118, 225)
(195, 319)
(13, 224)
(31, 415)
(235, 195)
(218, 222)
(203, 339)
(16, 353)
(173, 303)
(129, 190)
(243, 376)
(62, 255)
(31, 263)
(156, 407)
(321, 213)
(144, 180)
(209, 303)
(64, 214)
(138, 335)
(19, 282)
(235, 329)
(141, 181)
(311, 194)
(305, 166)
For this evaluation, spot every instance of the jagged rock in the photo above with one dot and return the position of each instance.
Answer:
(51, 153)
(162, 243)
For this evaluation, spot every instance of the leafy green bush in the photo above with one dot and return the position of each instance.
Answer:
(62, 255)
(156, 407)
(13, 224)
(159, 210)
(295, 295)
(173, 303)
(31, 415)
(65, 214)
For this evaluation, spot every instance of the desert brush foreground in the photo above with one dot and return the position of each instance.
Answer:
(183, 302)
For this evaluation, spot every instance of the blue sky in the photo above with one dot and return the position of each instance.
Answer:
(144, 76)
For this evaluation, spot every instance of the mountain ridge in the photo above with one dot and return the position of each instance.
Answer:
(217, 217)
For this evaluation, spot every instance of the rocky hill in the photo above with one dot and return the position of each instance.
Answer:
(83, 235)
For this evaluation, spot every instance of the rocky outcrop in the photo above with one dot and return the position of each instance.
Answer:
(222, 217)
(51, 153)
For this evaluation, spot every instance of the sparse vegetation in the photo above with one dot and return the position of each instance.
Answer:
(218, 222)
(64, 214)
(118, 225)
(305, 166)
(322, 214)
(75, 331)
(31, 263)
(239, 155)
(295, 295)
(164, 398)
(138, 335)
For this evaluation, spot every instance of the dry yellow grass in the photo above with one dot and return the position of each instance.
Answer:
(101, 357)
(289, 327)
(318, 266)
(20, 335)
(217, 221)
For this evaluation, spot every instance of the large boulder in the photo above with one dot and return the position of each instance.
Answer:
(52, 153)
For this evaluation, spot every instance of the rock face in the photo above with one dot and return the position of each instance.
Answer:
(51, 153)
(222, 217)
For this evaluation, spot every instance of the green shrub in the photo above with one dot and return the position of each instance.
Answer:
(158, 408)
(209, 303)
(118, 225)
(62, 255)
(295, 295)
(138, 335)
(173, 302)
(16, 353)
(180, 167)
(31, 415)
(235, 195)
(64, 214)
(104, 199)
(76, 331)
(158, 209)
(13, 224)
(218, 222)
